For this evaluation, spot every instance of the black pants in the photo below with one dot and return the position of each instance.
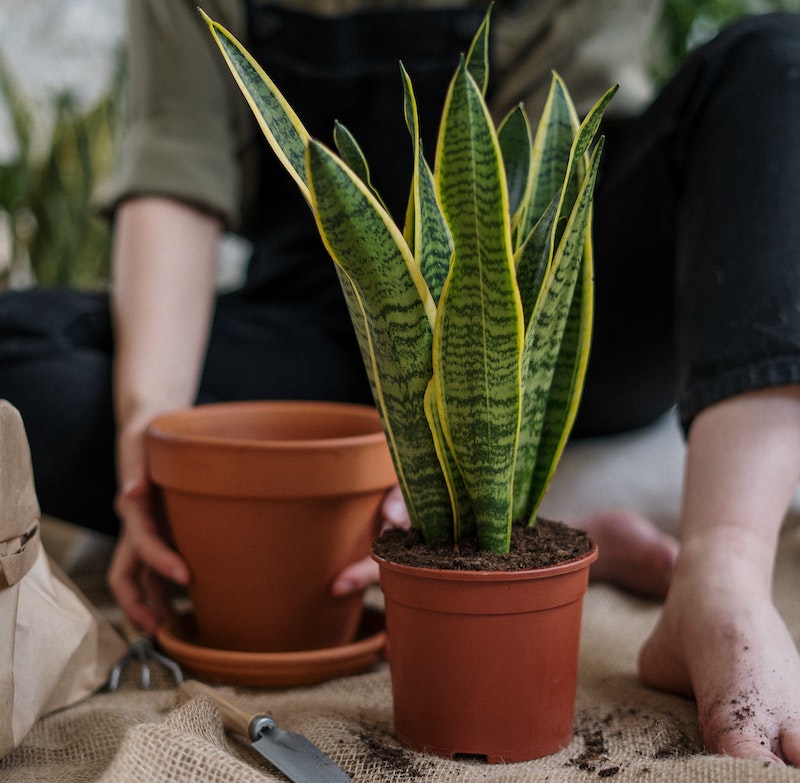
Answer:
(697, 236)
(697, 284)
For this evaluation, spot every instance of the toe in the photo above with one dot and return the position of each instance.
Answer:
(790, 746)
(744, 746)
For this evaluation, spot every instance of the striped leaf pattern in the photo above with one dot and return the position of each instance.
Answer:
(280, 125)
(362, 239)
(514, 135)
(474, 322)
(428, 230)
(463, 515)
(478, 335)
(556, 355)
(478, 54)
(551, 153)
(353, 156)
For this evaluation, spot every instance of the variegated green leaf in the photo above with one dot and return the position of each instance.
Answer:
(550, 404)
(533, 260)
(556, 354)
(351, 153)
(478, 54)
(514, 134)
(353, 156)
(552, 145)
(432, 243)
(463, 517)
(285, 133)
(477, 342)
(565, 393)
(398, 312)
(579, 160)
(508, 341)
(587, 132)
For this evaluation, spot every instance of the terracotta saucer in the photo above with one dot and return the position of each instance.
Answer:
(177, 638)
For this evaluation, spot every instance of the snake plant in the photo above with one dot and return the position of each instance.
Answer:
(474, 317)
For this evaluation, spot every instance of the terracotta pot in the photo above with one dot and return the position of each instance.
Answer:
(484, 663)
(267, 502)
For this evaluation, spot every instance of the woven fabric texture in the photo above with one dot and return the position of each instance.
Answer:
(623, 731)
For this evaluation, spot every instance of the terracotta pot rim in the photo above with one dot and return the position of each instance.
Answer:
(466, 575)
(168, 426)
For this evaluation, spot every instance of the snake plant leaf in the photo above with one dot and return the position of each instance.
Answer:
(514, 135)
(552, 146)
(547, 418)
(478, 336)
(579, 154)
(397, 308)
(463, 516)
(534, 257)
(425, 224)
(281, 126)
(589, 127)
(571, 166)
(478, 54)
(352, 154)
(573, 356)
(556, 354)
(574, 172)
(579, 157)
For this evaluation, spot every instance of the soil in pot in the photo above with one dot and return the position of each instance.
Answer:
(546, 544)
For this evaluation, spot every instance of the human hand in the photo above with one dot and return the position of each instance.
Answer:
(142, 560)
(359, 575)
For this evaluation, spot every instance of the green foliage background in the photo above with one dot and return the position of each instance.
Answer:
(47, 190)
(47, 196)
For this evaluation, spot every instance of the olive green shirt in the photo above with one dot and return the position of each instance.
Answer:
(186, 121)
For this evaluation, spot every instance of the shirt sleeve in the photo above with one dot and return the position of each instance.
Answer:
(181, 130)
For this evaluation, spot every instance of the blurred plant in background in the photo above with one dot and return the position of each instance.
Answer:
(50, 232)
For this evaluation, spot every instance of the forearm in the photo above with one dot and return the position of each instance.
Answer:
(162, 301)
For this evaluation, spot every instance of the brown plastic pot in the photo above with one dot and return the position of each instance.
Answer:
(268, 502)
(484, 663)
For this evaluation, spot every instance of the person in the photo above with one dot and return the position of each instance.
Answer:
(696, 289)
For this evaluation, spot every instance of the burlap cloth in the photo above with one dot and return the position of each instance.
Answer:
(623, 731)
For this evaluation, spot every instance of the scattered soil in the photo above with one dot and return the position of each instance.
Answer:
(617, 726)
(545, 544)
(595, 752)
(392, 757)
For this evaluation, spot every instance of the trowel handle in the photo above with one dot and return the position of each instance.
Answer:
(233, 716)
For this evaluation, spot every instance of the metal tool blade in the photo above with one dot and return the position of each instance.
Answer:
(293, 754)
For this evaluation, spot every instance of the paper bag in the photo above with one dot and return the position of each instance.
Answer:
(54, 648)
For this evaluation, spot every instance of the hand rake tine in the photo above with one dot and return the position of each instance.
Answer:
(172, 666)
(142, 651)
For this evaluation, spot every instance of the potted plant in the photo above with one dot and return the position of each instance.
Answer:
(268, 501)
(474, 320)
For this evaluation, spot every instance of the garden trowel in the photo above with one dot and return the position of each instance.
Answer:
(294, 755)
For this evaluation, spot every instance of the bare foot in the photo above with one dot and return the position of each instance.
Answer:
(721, 640)
(633, 553)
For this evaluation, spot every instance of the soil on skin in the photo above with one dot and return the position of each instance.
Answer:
(545, 544)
